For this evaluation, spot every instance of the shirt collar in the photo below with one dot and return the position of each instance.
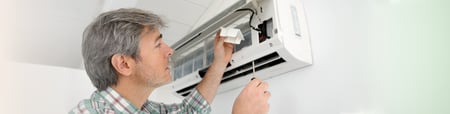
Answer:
(118, 102)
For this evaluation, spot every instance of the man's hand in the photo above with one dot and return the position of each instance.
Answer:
(253, 99)
(222, 55)
(222, 50)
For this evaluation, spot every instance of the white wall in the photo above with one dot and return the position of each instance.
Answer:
(40, 27)
(30, 32)
(39, 89)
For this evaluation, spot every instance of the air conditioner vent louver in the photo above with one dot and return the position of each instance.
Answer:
(243, 70)
(186, 91)
(260, 64)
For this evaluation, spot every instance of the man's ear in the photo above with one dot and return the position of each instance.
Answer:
(123, 64)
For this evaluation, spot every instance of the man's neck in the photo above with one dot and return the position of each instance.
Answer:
(136, 94)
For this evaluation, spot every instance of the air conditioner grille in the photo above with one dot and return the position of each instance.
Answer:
(185, 91)
(260, 64)
(243, 70)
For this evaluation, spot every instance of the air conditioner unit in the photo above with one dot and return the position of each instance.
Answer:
(276, 41)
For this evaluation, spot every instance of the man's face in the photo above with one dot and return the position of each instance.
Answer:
(153, 68)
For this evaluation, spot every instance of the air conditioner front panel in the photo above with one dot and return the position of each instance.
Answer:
(294, 32)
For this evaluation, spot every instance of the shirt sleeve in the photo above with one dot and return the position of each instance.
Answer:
(193, 103)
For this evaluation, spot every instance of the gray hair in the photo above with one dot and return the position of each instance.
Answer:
(114, 32)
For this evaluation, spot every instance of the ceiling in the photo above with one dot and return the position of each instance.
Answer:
(49, 33)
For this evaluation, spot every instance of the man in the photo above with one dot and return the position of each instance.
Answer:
(126, 59)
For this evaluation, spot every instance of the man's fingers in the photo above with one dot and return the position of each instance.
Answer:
(264, 85)
(267, 94)
(218, 33)
(229, 45)
(254, 82)
(217, 38)
(257, 83)
(221, 40)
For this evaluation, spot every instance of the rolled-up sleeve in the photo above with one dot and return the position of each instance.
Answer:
(194, 103)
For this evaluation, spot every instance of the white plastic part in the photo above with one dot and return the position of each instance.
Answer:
(232, 35)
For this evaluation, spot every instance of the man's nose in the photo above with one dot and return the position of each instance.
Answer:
(170, 51)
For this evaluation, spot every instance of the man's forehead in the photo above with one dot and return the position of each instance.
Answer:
(153, 33)
(150, 30)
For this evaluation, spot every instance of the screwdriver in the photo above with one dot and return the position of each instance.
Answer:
(253, 66)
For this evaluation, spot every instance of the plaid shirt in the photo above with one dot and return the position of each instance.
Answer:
(110, 102)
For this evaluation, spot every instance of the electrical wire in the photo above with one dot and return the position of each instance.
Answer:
(251, 17)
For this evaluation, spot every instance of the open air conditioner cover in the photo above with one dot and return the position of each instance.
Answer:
(276, 41)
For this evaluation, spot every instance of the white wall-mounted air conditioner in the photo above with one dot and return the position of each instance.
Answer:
(276, 41)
